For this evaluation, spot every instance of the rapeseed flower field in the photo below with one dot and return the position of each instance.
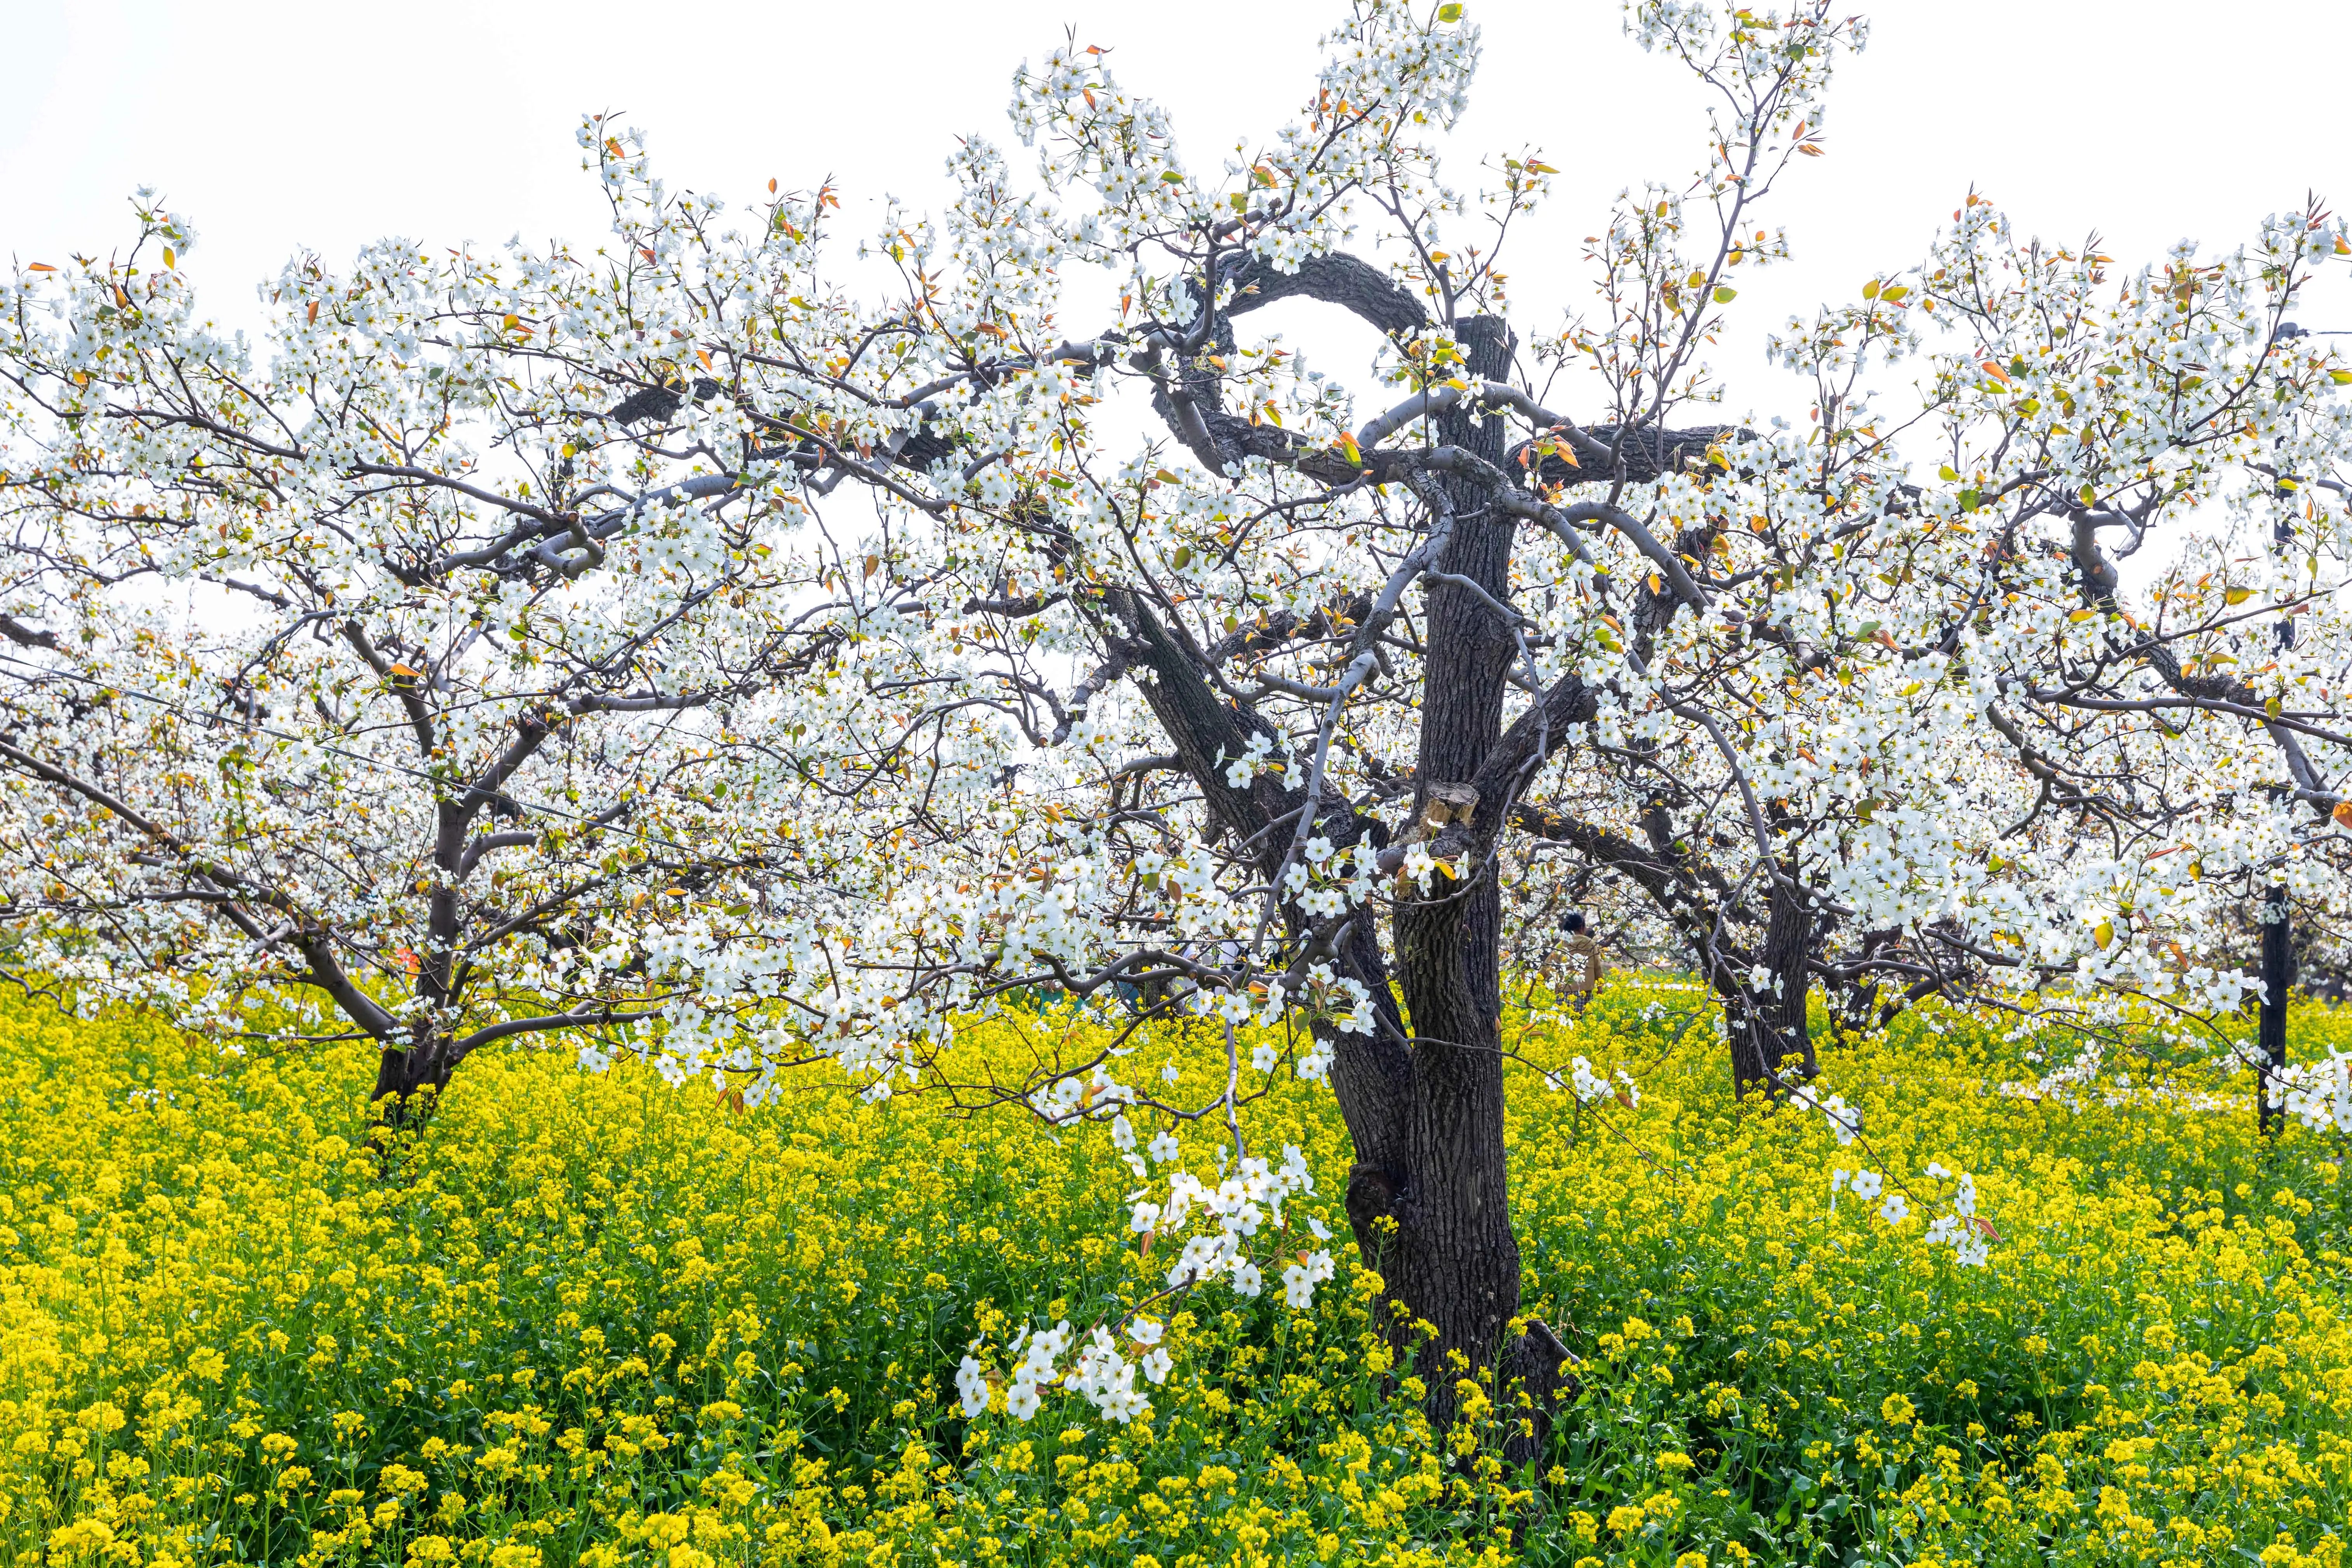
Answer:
(579, 1318)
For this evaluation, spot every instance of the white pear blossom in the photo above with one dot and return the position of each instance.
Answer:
(972, 1384)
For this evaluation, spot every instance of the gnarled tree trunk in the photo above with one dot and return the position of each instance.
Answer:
(1428, 1197)
(1453, 1261)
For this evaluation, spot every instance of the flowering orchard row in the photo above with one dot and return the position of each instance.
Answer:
(724, 637)
(538, 667)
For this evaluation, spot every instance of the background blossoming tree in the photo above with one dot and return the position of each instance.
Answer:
(666, 647)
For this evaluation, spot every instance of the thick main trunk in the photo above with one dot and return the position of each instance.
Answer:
(1767, 1027)
(401, 1075)
(1427, 1198)
(1453, 1261)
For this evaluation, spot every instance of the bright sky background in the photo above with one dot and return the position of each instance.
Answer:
(279, 127)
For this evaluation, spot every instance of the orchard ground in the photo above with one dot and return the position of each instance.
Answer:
(596, 1319)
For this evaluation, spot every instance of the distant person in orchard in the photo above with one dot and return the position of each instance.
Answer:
(1586, 953)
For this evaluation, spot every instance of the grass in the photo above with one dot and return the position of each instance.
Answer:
(593, 1318)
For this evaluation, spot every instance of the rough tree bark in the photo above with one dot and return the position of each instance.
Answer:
(1768, 1027)
(1453, 1258)
(1428, 1198)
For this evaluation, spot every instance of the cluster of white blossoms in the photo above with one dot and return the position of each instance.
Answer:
(1101, 1374)
(1961, 1229)
(1251, 762)
(1587, 1084)
(2318, 1094)
(1339, 1003)
(1865, 1185)
(1070, 1097)
(1845, 1120)
(1325, 882)
(1229, 1215)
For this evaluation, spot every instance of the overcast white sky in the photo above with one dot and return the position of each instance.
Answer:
(279, 127)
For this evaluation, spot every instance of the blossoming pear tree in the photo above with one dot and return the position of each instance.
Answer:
(663, 647)
(2094, 787)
